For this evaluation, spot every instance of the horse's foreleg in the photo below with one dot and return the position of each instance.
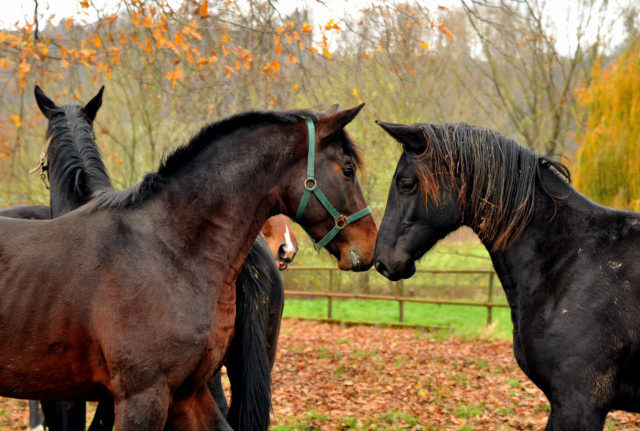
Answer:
(35, 417)
(197, 412)
(64, 415)
(104, 417)
(215, 386)
(144, 411)
(567, 416)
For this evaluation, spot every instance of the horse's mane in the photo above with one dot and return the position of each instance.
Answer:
(72, 150)
(496, 176)
(208, 135)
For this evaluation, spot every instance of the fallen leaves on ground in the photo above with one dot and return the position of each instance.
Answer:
(329, 377)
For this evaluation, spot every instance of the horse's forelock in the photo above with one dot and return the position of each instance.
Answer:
(432, 165)
(350, 148)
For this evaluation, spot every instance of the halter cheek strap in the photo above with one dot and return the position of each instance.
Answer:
(311, 186)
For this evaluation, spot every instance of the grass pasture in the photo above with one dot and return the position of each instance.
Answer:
(462, 321)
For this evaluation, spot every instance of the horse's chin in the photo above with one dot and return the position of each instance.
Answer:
(397, 266)
(281, 265)
(406, 272)
(353, 261)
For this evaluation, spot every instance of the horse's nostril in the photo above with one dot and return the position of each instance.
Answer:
(381, 268)
(281, 252)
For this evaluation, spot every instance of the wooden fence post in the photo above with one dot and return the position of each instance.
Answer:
(400, 293)
(331, 280)
(329, 299)
(490, 300)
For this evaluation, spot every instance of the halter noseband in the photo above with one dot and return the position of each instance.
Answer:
(311, 186)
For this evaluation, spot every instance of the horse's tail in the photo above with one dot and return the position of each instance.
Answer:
(260, 297)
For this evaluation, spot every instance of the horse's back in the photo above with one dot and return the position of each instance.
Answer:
(38, 273)
(105, 281)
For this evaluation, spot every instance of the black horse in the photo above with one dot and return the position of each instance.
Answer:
(30, 212)
(568, 266)
(76, 171)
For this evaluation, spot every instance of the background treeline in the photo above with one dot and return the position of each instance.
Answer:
(557, 84)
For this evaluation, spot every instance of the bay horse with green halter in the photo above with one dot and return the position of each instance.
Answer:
(138, 285)
(73, 164)
(568, 266)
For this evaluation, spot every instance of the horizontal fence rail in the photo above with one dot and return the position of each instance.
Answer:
(399, 288)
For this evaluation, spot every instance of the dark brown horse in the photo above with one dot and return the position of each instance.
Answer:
(74, 170)
(569, 267)
(282, 240)
(139, 292)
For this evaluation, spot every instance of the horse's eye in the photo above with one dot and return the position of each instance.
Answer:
(408, 186)
(348, 171)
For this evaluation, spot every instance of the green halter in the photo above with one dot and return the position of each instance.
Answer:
(311, 186)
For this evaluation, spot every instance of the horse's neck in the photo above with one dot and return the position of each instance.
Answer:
(221, 202)
(65, 193)
(554, 233)
(64, 198)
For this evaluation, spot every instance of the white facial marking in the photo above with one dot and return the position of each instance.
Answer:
(288, 244)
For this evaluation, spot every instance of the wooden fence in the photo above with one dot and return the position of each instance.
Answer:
(399, 291)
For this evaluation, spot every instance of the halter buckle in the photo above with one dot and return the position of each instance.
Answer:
(313, 185)
(342, 221)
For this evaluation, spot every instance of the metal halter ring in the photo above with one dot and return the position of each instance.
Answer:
(342, 221)
(313, 186)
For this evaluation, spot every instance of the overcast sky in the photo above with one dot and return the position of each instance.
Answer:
(562, 13)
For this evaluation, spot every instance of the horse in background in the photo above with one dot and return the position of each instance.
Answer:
(76, 171)
(568, 266)
(282, 240)
(28, 212)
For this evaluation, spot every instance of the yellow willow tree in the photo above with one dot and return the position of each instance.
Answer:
(608, 165)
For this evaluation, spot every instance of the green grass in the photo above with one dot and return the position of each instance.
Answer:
(469, 411)
(465, 321)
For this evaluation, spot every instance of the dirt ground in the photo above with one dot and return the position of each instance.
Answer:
(329, 377)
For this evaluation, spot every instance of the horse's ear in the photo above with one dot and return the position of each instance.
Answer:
(332, 123)
(412, 138)
(94, 104)
(46, 105)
